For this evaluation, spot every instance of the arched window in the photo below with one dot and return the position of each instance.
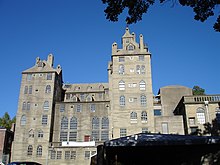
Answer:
(95, 123)
(200, 114)
(133, 116)
(105, 123)
(130, 47)
(48, 89)
(143, 116)
(89, 98)
(40, 134)
(30, 150)
(24, 106)
(121, 85)
(31, 133)
(23, 120)
(46, 105)
(95, 129)
(73, 123)
(121, 69)
(64, 123)
(142, 69)
(30, 89)
(122, 101)
(39, 150)
(101, 87)
(138, 69)
(142, 85)
(28, 105)
(143, 100)
(105, 129)
(25, 89)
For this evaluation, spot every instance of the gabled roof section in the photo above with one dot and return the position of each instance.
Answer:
(44, 66)
(130, 46)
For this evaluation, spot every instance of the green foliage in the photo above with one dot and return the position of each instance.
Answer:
(198, 91)
(6, 121)
(203, 9)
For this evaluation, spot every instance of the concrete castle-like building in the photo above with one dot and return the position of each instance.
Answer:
(61, 123)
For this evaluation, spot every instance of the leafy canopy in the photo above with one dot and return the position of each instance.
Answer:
(198, 91)
(6, 121)
(136, 8)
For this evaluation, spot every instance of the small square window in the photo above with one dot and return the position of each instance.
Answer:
(141, 58)
(121, 59)
(157, 112)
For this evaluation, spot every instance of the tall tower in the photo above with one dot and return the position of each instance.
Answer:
(41, 86)
(130, 87)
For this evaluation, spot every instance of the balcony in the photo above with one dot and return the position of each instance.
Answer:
(201, 99)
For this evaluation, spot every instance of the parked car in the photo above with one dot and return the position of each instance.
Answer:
(24, 163)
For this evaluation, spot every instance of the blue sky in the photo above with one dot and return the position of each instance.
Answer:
(184, 51)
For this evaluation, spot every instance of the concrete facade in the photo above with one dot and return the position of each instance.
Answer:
(61, 123)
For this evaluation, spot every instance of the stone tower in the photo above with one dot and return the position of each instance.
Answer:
(41, 87)
(130, 87)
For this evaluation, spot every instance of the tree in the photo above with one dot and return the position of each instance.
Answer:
(6, 121)
(203, 9)
(198, 91)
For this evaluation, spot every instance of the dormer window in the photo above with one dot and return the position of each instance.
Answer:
(130, 47)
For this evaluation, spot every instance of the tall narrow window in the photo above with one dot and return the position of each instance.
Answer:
(78, 108)
(121, 85)
(92, 107)
(25, 89)
(144, 116)
(138, 69)
(23, 120)
(122, 101)
(105, 123)
(73, 123)
(73, 155)
(30, 150)
(44, 120)
(39, 150)
(48, 89)
(31, 133)
(142, 69)
(200, 113)
(28, 105)
(165, 128)
(62, 107)
(121, 69)
(49, 76)
(142, 85)
(87, 154)
(64, 123)
(143, 100)
(29, 77)
(95, 123)
(24, 106)
(63, 136)
(123, 132)
(30, 89)
(46, 105)
(105, 129)
(95, 129)
(59, 154)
